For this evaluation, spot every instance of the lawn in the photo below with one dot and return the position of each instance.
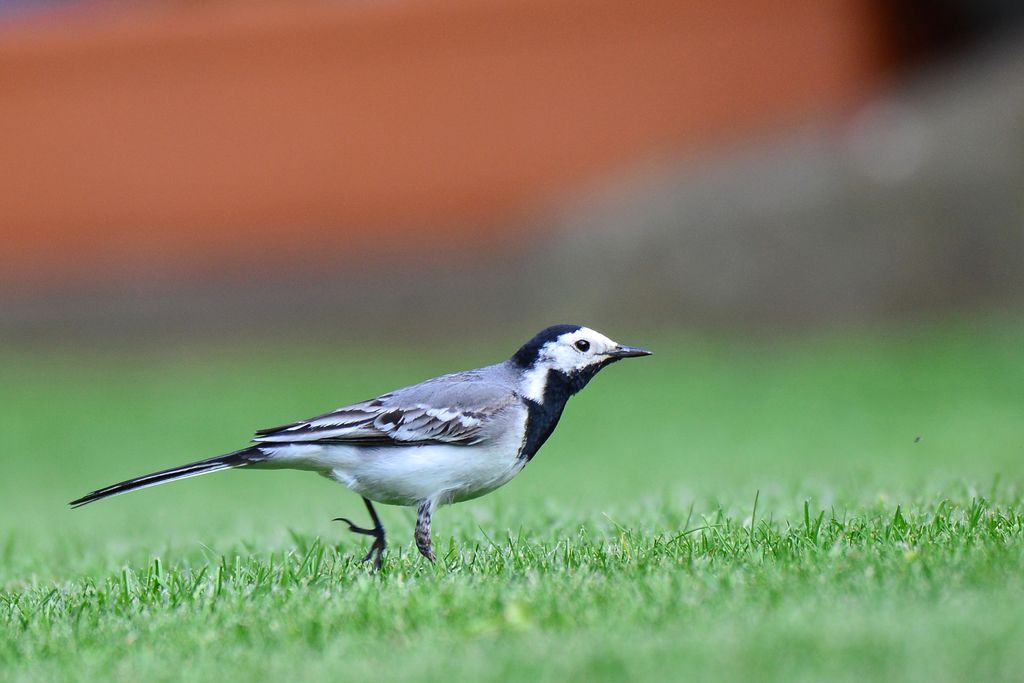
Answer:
(829, 507)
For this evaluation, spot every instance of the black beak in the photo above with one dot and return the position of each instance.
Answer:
(628, 352)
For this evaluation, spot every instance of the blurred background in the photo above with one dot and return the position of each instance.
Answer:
(175, 169)
(222, 215)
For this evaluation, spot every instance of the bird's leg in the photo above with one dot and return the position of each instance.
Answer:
(423, 542)
(377, 549)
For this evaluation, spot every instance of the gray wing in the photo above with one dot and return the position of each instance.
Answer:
(454, 409)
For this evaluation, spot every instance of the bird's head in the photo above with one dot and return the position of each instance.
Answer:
(566, 357)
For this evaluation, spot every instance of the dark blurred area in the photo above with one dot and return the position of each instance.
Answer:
(187, 170)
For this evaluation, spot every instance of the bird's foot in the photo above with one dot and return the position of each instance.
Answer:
(427, 551)
(376, 553)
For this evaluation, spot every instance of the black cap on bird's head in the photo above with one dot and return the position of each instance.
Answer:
(572, 348)
(528, 352)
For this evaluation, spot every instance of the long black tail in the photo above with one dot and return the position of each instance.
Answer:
(246, 456)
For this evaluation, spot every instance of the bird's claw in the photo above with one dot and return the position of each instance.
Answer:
(376, 552)
(357, 529)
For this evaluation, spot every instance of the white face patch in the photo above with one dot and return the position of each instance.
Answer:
(565, 354)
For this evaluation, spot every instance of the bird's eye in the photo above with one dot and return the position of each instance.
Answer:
(583, 345)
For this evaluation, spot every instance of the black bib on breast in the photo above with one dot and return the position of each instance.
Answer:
(542, 418)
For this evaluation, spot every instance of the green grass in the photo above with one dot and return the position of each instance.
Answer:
(841, 508)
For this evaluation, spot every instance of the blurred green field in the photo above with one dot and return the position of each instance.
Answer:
(840, 507)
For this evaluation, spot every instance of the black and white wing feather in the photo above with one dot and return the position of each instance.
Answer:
(442, 411)
(372, 424)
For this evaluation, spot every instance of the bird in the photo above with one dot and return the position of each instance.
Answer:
(445, 440)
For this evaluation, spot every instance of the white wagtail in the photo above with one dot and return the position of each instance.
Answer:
(445, 440)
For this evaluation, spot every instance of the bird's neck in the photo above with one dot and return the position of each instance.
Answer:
(545, 392)
(546, 385)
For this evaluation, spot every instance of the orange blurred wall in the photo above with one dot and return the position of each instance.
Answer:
(183, 137)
